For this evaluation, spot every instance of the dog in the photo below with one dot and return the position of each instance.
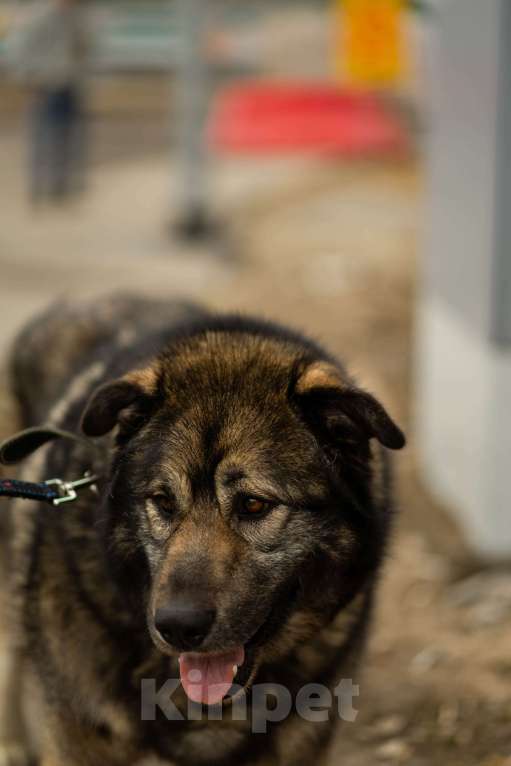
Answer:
(230, 547)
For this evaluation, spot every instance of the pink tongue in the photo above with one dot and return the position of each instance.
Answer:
(208, 677)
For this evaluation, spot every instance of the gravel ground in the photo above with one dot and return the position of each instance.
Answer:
(329, 248)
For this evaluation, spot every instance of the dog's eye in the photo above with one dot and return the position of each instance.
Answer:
(163, 503)
(254, 506)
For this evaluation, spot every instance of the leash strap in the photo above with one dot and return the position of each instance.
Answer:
(20, 446)
(54, 491)
(46, 493)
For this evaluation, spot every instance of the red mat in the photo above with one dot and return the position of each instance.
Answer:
(280, 118)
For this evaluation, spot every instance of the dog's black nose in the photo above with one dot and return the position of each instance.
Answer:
(185, 626)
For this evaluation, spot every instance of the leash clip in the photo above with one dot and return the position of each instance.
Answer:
(67, 489)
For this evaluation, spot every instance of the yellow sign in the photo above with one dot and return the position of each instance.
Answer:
(370, 44)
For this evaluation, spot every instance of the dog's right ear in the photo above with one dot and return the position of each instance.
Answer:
(125, 402)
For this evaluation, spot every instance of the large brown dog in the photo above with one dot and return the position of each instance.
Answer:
(232, 543)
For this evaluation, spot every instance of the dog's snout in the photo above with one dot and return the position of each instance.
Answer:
(184, 625)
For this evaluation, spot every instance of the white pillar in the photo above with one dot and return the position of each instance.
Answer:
(463, 375)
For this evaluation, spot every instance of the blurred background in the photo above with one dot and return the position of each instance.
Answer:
(343, 166)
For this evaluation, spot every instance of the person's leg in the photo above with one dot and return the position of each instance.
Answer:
(39, 132)
(78, 144)
(61, 149)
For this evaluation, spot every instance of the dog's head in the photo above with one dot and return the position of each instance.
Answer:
(244, 486)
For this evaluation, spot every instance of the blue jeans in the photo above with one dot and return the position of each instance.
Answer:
(57, 138)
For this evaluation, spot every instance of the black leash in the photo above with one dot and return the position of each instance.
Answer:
(52, 491)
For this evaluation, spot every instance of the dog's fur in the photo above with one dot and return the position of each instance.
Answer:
(206, 409)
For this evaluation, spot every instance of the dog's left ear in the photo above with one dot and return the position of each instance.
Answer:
(125, 402)
(340, 411)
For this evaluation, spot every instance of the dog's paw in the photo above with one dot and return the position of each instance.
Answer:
(14, 754)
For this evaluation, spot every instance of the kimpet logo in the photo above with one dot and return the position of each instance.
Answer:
(269, 703)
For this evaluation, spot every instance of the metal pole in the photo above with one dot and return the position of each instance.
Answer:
(193, 221)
